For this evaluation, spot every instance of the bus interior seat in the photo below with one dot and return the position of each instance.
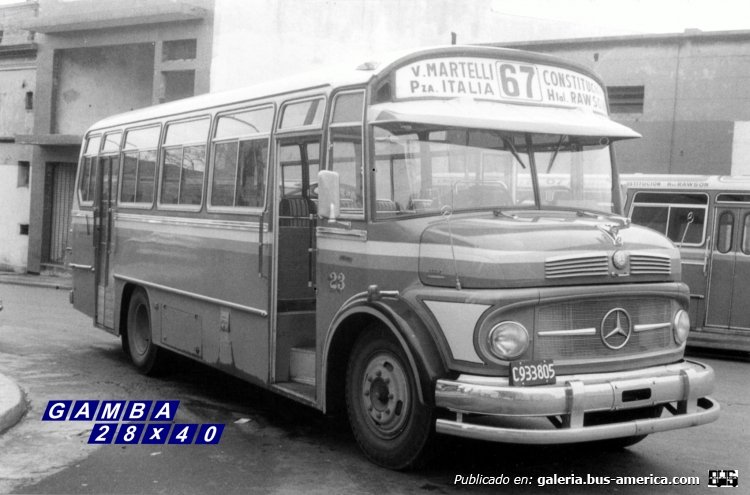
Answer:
(296, 211)
(295, 240)
(386, 205)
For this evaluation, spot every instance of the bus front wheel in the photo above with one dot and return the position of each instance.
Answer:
(389, 422)
(142, 351)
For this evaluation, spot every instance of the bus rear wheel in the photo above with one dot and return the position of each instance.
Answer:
(144, 354)
(392, 427)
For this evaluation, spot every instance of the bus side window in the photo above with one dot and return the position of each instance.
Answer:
(345, 145)
(240, 158)
(139, 165)
(184, 162)
(87, 184)
(746, 234)
(726, 224)
(346, 159)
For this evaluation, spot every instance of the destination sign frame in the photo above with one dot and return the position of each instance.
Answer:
(508, 81)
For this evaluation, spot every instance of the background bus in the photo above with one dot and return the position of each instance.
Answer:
(708, 217)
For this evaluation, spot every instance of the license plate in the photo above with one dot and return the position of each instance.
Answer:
(532, 372)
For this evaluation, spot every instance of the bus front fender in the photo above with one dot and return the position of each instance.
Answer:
(402, 322)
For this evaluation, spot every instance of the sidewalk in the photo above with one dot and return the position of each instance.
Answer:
(12, 403)
(12, 399)
(55, 281)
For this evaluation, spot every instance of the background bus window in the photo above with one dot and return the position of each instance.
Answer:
(746, 234)
(670, 213)
(653, 217)
(724, 238)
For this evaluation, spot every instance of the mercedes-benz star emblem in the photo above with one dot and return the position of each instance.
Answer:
(615, 329)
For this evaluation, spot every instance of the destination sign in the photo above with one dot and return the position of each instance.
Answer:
(499, 80)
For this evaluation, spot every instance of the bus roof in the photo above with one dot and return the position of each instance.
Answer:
(686, 182)
(352, 76)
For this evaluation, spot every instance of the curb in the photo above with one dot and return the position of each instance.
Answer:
(12, 403)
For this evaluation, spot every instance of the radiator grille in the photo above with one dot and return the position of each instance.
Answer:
(647, 264)
(576, 315)
(577, 266)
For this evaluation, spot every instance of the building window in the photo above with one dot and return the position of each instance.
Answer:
(626, 99)
(178, 84)
(23, 229)
(23, 174)
(29, 100)
(179, 50)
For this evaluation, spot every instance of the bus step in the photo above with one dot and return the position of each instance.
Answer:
(302, 365)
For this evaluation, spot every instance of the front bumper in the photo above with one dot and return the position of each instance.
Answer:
(682, 388)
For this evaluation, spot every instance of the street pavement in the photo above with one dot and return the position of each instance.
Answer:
(271, 445)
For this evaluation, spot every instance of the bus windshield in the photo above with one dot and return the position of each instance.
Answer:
(419, 169)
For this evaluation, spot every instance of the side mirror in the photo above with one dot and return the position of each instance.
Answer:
(329, 202)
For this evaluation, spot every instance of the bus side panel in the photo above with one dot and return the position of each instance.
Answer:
(197, 266)
(82, 261)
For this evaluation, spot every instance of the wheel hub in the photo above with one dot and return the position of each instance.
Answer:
(385, 395)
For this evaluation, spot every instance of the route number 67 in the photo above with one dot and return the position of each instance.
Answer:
(518, 81)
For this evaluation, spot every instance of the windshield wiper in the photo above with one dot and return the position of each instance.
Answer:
(513, 151)
(554, 155)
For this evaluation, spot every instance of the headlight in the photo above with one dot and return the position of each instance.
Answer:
(508, 340)
(681, 326)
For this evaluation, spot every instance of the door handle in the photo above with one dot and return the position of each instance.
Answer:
(706, 255)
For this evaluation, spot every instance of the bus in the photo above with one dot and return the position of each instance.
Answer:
(431, 244)
(708, 219)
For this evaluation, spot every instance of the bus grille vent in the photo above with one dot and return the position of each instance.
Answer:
(648, 264)
(577, 266)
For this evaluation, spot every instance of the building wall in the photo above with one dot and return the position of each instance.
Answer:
(16, 79)
(92, 62)
(17, 86)
(14, 208)
(695, 101)
(94, 83)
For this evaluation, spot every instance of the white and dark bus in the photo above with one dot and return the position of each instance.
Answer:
(708, 218)
(433, 244)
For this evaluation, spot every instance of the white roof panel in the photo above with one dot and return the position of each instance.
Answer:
(500, 116)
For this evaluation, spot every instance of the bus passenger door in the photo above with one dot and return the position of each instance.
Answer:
(740, 317)
(294, 336)
(103, 239)
(730, 270)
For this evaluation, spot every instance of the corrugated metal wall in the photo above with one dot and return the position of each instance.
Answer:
(63, 189)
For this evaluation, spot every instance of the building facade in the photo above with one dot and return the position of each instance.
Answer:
(65, 64)
(17, 86)
(95, 58)
(685, 93)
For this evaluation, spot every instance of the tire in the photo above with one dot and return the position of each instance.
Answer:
(143, 353)
(390, 424)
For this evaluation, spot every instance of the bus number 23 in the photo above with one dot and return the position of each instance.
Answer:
(337, 281)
